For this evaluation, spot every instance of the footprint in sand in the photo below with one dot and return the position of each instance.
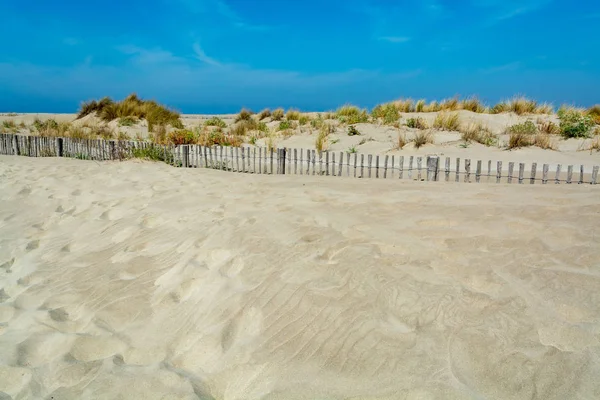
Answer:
(34, 244)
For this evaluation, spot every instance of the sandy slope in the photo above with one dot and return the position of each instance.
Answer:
(136, 280)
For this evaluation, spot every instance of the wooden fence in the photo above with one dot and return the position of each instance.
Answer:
(258, 160)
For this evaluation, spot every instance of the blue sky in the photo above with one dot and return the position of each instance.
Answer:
(215, 56)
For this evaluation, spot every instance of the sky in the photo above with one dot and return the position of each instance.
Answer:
(216, 56)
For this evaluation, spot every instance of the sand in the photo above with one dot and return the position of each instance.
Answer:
(137, 280)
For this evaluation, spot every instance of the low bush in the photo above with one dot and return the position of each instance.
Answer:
(182, 136)
(574, 123)
(266, 113)
(350, 114)
(215, 121)
(127, 121)
(292, 115)
(479, 133)
(277, 114)
(244, 115)
(594, 112)
(352, 131)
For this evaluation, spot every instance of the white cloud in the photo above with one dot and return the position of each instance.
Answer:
(222, 8)
(506, 9)
(394, 39)
(203, 57)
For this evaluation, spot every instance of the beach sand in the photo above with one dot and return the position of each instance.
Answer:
(137, 280)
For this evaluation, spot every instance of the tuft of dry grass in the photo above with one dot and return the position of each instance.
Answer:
(434, 106)
(521, 105)
(278, 114)
(472, 104)
(447, 122)
(420, 106)
(404, 105)
(422, 138)
(543, 141)
(594, 144)
(349, 114)
(244, 115)
(417, 123)
(527, 134)
(400, 142)
(322, 141)
(477, 132)
(594, 112)
(452, 104)
(181, 136)
(266, 113)
(304, 119)
(548, 127)
(292, 115)
(132, 106)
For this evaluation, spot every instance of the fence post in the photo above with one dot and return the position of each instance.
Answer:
(186, 151)
(283, 156)
(432, 168)
(59, 147)
(112, 149)
(16, 145)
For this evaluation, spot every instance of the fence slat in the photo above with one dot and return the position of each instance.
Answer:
(478, 172)
(410, 167)
(370, 160)
(401, 172)
(581, 174)
(362, 166)
(457, 177)
(385, 165)
(545, 169)
(594, 175)
(557, 177)
(489, 168)
(447, 171)
(314, 161)
(569, 174)
(419, 165)
(521, 172)
(320, 163)
(392, 168)
(332, 164)
(498, 171)
(533, 173)
(467, 170)
(341, 163)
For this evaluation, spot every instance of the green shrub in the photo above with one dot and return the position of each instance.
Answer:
(594, 112)
(388, 112)
(574, 123)
(350, 114)
(283, 125)
(526, 128)
(352, 131)
(215, 121)
(127, 121)
(153, 153)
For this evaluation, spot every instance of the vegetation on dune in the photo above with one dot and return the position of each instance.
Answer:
(283, 125)
(244, 115)
(472, 104)
(304, 119)
(132, 106)
(521, 105)
(594, 112)
(447, 122)
(417, 123)
(400, 141)
(527, 134)
(352, 131)
(219, 138)
(266, 113)
(292, 115)
(404, 105)
(215, 121)
(479, 133)
(422, 138)
(350, 114)
(575, 123)
(387, 112)
(321, 143)
(278, 114)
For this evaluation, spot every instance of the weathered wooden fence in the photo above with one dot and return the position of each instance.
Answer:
(259, 160)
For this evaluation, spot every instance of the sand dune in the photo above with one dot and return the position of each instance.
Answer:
(137, 280)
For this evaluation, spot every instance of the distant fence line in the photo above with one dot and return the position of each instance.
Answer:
(259, 160)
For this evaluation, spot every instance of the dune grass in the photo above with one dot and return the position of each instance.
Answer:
(472, 104)
(349, 114)
(266, 113)
(447, 122)
(527, 134)
(322, 140)
(548, 127)
(132, 106)
(386, 112)
(477, 132)
(417, 123)
(521, 105)
(244, 115)
(219, 138)
(292, 115)
(422, 138)
(400, 142)
(404, 105)
(278, 114)
(420, 105)
(594, 112)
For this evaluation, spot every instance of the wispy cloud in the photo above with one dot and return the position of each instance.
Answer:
(222, 8)
(513, 66)
(70, 41)
(506, 9)
(203, 57)
(394, 39)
